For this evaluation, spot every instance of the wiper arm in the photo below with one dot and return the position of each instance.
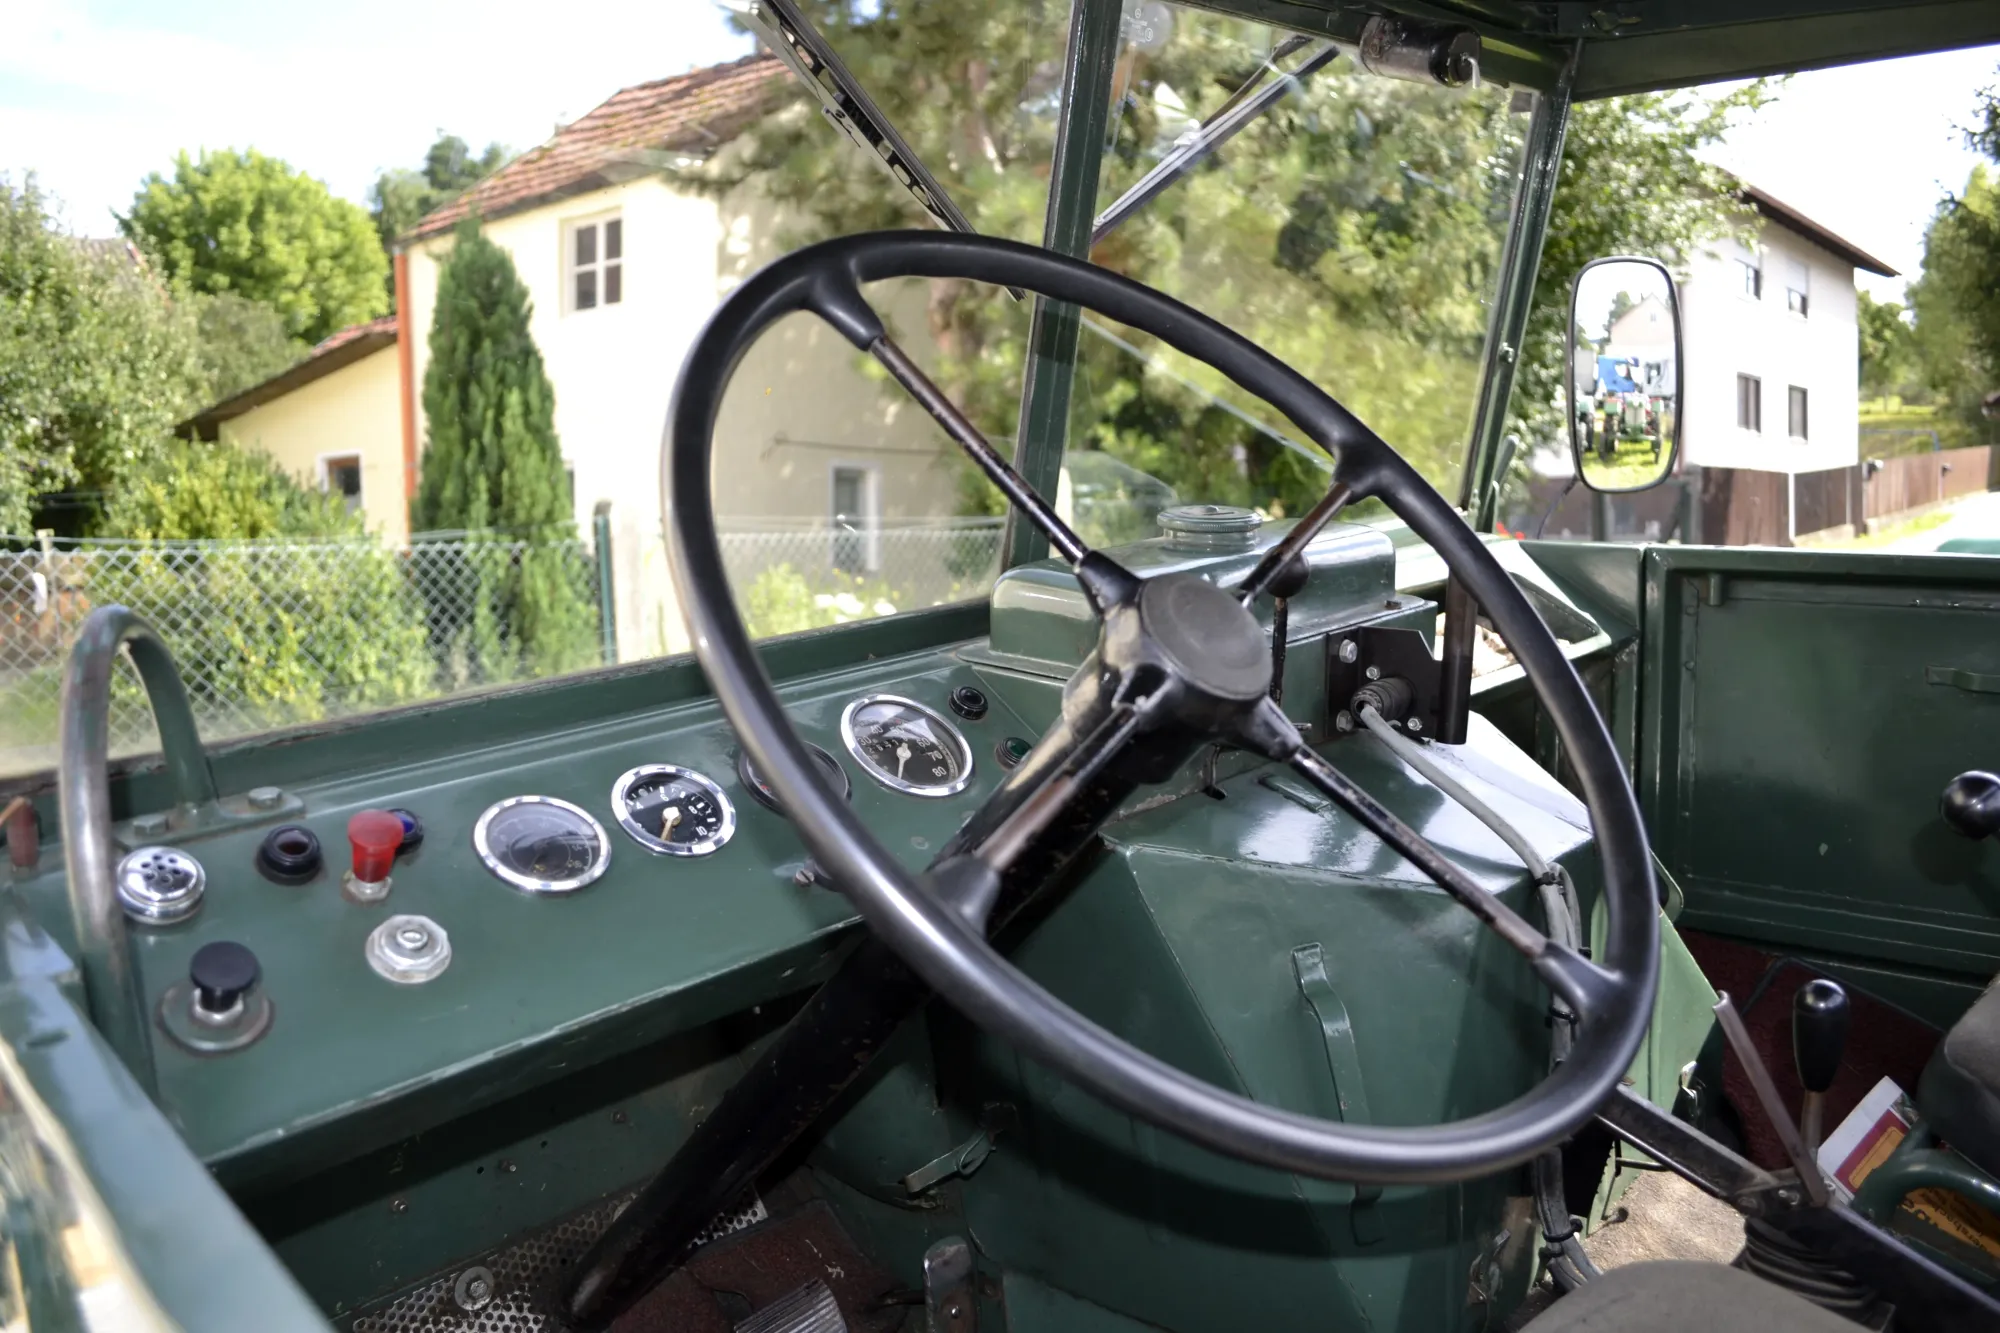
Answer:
(1244, 105)
(792, 38)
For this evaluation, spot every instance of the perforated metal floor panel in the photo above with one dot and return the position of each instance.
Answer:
(512, 1289)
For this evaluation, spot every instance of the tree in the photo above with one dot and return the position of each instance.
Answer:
(243, 342)
(249, 224)
(1957, 327)
(1888, 348)
(401, 197)
(492, 464)
(1354, 230)
(97, 361)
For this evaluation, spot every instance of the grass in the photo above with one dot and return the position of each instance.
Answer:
(1937, 518)
(1632, 466)
(1914, 424)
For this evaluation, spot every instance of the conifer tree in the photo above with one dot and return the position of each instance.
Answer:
(492, 467)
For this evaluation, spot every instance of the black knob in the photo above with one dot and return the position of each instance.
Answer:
(1971, 804)
(290, 854)
(1819, 1032)
(222, 973)
(969, 702)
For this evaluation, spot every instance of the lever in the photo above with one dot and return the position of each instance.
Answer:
(1971, 804)
(1819, 1036)
(1287, 583)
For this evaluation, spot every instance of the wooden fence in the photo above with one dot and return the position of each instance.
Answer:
(1745, 507)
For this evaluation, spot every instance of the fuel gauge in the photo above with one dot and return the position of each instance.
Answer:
(672, 811)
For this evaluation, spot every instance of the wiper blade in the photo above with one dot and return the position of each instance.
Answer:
(1244, 106)
(792, 38)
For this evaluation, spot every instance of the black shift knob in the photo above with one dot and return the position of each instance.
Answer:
(1971, 804)
(222, 973)
(1819, 1032)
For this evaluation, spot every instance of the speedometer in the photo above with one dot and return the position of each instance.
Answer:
(540, 844)
(672, 811)
(906, 746)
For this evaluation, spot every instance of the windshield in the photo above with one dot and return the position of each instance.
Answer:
(364, 418)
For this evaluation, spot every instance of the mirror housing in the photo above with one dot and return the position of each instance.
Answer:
(1624, 380)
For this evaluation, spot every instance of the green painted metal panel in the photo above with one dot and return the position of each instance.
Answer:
(1793, 748)
(108, 1214)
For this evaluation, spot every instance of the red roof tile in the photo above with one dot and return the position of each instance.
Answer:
(692, 112)
(386, 324)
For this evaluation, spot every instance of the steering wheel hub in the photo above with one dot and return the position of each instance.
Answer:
(1210, 638)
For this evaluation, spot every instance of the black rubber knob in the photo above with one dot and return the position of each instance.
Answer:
(1971, 804)
(969, 702)
(222, 973)
(1819, 1032)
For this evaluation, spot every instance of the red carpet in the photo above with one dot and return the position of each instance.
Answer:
(1881, 1040)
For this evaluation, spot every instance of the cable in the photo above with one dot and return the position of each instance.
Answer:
(1569, 1267)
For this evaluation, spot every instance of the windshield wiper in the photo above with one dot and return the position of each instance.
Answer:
(1244, 105)
(792, 38)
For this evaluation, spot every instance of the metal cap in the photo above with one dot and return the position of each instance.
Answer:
(1210, 527)
(409, 949)
(158, 886)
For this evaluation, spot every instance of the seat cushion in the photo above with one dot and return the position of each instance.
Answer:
(1679, 1296)
(1960, 1090)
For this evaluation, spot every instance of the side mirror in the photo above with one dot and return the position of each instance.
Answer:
(1625, 374)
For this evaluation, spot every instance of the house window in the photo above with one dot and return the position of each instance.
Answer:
(340, 474)
(1798, 278)
(1795, 422)
(857, 518)
(596, 254)
(1753, 278)
(1750, 402)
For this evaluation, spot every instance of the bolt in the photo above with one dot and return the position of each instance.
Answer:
(1415, 724)
(1344, 721)
(509, 1165)
(1349, 650)
(148, 825)
(1788, 1196)
(266, 798)
(398, 1206)
(620, 1118)
(413, 937)
(1373, 673)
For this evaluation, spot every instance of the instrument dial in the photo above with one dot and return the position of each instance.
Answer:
(906, 746)
(829, 768)
(673, 811)
(540, 844)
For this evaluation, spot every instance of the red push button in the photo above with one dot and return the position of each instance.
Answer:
(375, 836)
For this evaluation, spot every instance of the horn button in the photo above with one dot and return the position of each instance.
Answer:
(1210, 638)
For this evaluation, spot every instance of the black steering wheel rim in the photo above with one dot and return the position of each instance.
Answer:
(949, 952)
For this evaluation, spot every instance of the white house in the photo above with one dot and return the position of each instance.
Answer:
(1771, 345)
(624, 267)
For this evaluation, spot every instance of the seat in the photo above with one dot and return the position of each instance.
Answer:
(1674, 1296)
(1959, 1093)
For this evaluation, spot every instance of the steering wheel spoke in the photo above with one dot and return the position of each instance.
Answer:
(1577, 980)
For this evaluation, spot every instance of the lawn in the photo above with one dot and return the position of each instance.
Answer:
(1891, 427)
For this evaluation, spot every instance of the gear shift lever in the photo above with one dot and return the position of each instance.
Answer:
(1819, 1037)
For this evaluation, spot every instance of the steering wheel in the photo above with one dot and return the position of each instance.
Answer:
(1179, 663)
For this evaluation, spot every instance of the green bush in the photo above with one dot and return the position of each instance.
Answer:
(781, 600)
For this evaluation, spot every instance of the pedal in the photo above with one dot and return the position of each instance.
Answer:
(810, 1309)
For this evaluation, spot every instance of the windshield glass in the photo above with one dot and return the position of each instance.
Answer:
(1353, 229)
(368, 414)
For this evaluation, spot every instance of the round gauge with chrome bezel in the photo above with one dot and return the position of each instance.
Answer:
(541, 844)
(830, 772)
(906, 746)
(672, 811)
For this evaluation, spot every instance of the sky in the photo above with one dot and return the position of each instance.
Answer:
(94, 94)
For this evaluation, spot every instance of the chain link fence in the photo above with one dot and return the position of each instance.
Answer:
(271, 633)
(789, 576)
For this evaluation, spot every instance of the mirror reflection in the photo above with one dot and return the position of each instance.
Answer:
(1625, 354)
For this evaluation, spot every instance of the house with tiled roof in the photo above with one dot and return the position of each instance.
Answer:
(625, 264)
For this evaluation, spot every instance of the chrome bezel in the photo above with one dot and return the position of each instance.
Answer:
(655, 844)
(889, 780)
(525, 884)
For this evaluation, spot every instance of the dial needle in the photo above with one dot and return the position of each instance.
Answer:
(667, 822)
(902, 756)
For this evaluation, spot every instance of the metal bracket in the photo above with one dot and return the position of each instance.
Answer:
(1343, 1062)
(948, 1303)
(1373, 652)
(995, 1119)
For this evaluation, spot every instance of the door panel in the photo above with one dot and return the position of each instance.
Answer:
(1792, 747)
